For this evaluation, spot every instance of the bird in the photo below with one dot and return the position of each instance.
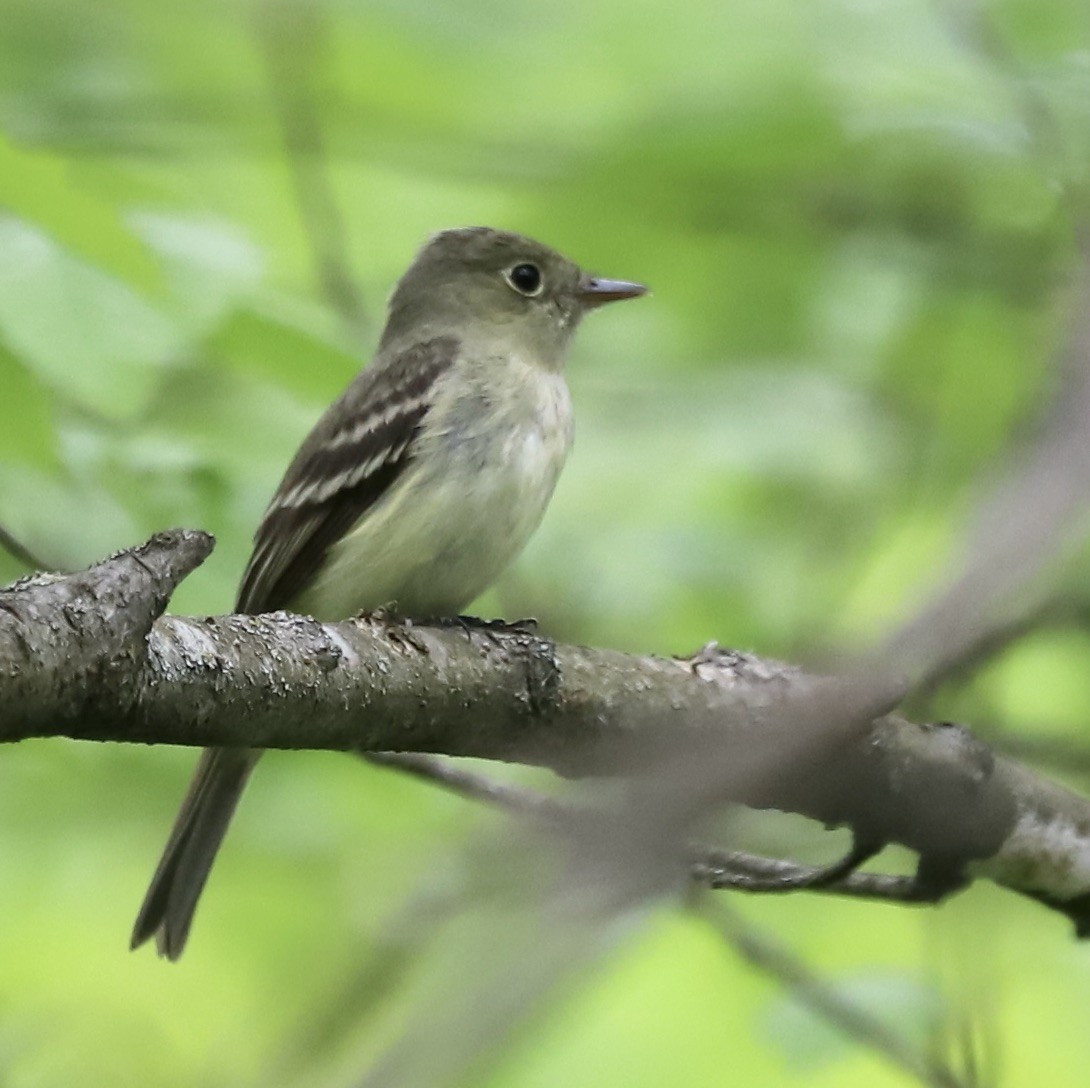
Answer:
(413, 491)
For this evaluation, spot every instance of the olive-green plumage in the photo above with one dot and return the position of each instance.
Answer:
(414, 490)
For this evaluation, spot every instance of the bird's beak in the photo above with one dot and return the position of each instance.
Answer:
(595, 291)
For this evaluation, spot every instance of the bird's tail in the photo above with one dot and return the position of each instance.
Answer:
(168, 907)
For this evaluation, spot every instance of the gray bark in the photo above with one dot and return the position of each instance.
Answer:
(92, 656)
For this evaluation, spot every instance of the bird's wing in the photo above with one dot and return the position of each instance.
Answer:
(348, 462)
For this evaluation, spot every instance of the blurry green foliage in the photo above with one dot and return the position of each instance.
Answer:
(857, 219)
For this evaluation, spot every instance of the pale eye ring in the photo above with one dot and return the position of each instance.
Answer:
(525, 278)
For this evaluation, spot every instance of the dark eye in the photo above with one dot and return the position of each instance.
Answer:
(525, 278)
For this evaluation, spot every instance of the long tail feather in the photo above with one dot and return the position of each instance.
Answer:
(168, 908)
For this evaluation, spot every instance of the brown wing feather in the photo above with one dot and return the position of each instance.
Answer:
(348, 462)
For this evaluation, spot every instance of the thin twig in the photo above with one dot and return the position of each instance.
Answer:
(737, 870)
(767, 955)
(294, 45)
(712, 866)
(478, 787)
(374, 973)
(20, 552)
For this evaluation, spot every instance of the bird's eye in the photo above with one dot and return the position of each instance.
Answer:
(526, 279)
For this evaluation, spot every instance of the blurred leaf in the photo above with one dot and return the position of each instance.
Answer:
(66, 524)
(210, 262)
(285, 355)
(88, 335)
(27, 433)
(38, 187)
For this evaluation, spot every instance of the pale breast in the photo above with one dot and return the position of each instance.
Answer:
(506, 445)
(488, 459)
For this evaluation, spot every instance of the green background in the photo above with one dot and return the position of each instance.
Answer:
(857, 219)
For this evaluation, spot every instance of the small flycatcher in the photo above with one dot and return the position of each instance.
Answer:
(415, 489)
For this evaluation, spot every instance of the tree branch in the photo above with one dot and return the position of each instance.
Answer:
(91, 656)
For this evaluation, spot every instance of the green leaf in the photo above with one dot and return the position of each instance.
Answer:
(89, 335)
(210, 262)
(27, 434)
(289, 356)
(38, 187)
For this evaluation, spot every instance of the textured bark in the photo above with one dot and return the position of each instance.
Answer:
(92, 656)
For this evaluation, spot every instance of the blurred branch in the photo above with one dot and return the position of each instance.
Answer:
(760, 951)
(771, 736)
(20, 553)
(373, 972)
(293, 39)
(91, 656)
(1057, 612)
(1062, 753)
(516, 800)
(803, 757)
(741, 729)
(712, 867)
(1036, 509)
(1032, 515)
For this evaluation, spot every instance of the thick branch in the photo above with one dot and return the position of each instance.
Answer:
(84, 656)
